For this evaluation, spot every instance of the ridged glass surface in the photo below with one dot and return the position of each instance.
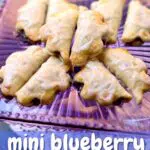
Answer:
(68, 107)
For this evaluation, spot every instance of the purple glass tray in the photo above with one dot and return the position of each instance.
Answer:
(68, 108)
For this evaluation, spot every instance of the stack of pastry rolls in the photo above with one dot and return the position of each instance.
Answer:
(103, 67)
(74, 36)
(41, 72)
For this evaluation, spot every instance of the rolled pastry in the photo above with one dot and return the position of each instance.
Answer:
(45, 83)
(137, 25)
(19, 67)
(31, 17)
(100, 84)
(88, 42)
(59, 28)
(129, 69)
(112, 11)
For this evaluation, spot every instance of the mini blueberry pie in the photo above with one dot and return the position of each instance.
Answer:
(137, 24)
(89, 37)
(112, 11)
(31, 17)
(100, 84)
(129, 69)
(59, 28)
(51, 78)
(19, 67)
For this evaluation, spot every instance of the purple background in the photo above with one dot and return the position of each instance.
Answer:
(68, 108)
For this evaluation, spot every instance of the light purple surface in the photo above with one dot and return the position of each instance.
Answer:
(68, 107)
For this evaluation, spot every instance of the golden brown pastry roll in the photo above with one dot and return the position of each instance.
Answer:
(88, 42)
(59, 28)
(100, 84)
(112, 11)
(19, 67)
(129, 69)
(31, 17)
(137, 25)
(45, 83)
